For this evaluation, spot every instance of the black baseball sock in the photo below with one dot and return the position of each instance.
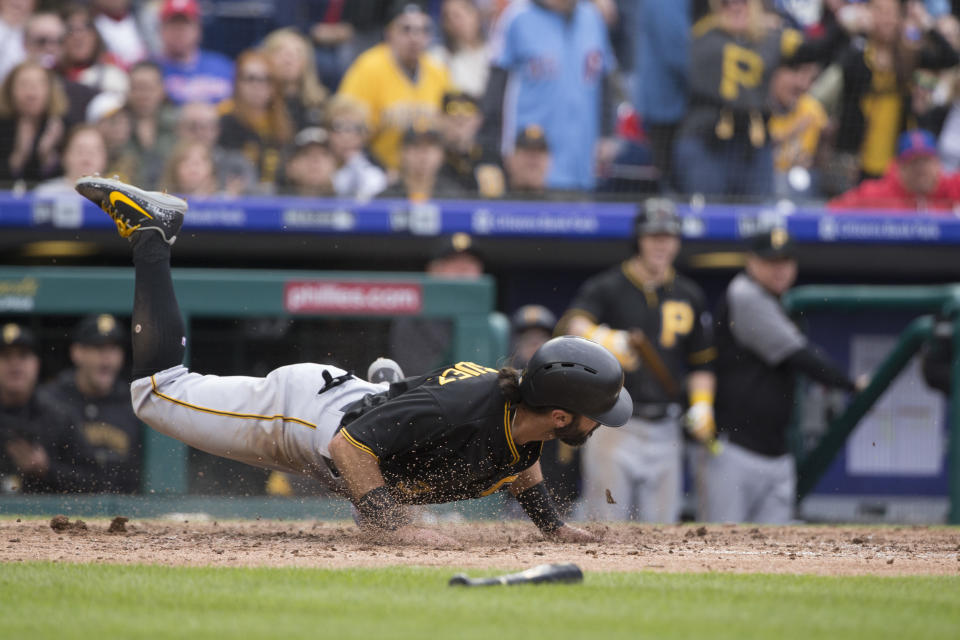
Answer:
(158, 331)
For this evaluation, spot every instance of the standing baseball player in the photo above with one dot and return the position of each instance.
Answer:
(656, 323)
(760, 353)
(463, 431)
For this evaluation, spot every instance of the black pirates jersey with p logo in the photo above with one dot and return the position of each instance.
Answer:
(673, 317)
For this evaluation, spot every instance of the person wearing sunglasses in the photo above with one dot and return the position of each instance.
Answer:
(256, 120)
(398, 81)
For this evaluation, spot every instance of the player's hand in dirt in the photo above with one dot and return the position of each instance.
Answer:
(566, 533)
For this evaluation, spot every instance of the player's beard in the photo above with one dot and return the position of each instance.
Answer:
(571, 434)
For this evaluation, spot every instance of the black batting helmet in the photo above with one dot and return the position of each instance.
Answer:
(579, 376)
(657, 215)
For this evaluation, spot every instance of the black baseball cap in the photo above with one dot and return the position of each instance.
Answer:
(99, 330)
(15, 335)
(423, 130)
(456, 244)
(657, 215)
(532, 138)
(533, 316)
(460, 103)
(773, 244)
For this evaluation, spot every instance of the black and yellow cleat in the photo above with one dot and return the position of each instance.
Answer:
(134, 209)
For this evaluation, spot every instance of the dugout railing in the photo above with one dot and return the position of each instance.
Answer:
(944, 302)
(478, 334)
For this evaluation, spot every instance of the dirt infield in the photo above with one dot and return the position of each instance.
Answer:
(796, 549)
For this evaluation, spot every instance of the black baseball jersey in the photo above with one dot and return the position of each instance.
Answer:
(755, 387)
(72, 468)
(441, 437)
(110, 429)
(674, 318)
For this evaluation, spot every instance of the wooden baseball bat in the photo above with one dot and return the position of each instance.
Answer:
(560, 573)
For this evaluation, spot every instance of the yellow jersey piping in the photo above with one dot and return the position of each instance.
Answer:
(228, 414)
(508, 431)
(497, 485)
(359, 445)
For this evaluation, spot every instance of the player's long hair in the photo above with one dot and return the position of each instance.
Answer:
(508, 380)
(278, 126)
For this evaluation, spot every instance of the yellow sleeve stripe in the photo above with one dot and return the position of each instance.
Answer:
(359, 445)
(507, 429)
(228, 414)
(496, 487)
(702, 357)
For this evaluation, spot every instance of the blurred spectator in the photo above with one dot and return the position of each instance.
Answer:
(397, 81)
(460, 123)
(85, 59)
(529, 163)
(949, 142)
(107, 113)
(632, 170)
(464, 51)
(120, 30)
(200, 122)
(556, 56)
(339, 30)
(13, 17)
(84, 154)
(795, 125)
(190, 73)
(926, 111)
(40, 446)
(355, 177)
(663, 58)
(32, 107)
(153, 120)
(294, 71)
(309, 171)
(914, 182)
(94, 390)
(256, 121)
(723, 147)
(876, 79)
(420, 344)
(43, 40)
(420, 160)
(190, 171)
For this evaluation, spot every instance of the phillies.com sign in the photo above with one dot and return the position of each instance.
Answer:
(394, 298)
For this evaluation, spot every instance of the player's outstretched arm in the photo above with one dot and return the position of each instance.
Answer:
(531, 493)
(381, 516)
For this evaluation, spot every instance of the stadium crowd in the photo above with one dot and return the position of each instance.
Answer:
(423, 99)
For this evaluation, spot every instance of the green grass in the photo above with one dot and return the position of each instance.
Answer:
(45, 600)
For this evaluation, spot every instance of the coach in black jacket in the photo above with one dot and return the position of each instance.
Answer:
(760, 352)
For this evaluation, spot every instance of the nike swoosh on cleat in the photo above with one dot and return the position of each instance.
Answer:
(116, 195)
